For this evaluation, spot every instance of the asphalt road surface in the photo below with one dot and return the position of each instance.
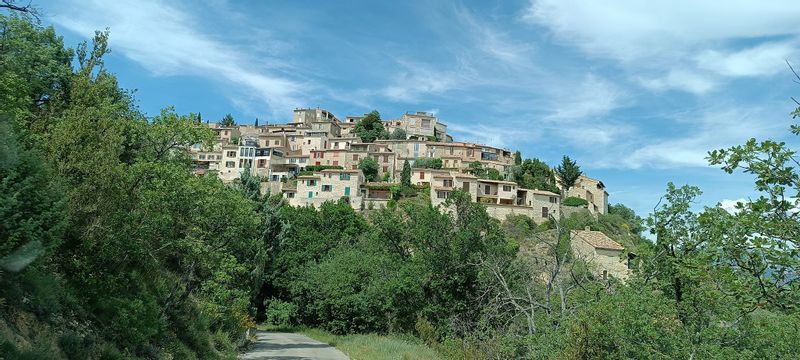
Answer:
(288, 346)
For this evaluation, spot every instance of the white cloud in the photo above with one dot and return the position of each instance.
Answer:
(765, 59)
(711, 129)
(677, 44)
(592, 97)
(417, 80)
(730, 205)
(491, 135)
(689, 81)
(167, 41)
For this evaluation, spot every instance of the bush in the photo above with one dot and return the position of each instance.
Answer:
(428, 163)
(634, 323)
(575, 201)
(280, 313)
(75, 346)
(315, 168)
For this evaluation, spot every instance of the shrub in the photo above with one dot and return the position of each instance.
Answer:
(428, 163)
(315, 168)
(575, 201)
(75, 346)
(280, 313)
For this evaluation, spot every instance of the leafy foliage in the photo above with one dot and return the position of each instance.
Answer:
(398, 134)
(534, 174)
(574, 201)
(568, 172)
(227, 120)
(428, 163)
(370, 128)
(369, 167)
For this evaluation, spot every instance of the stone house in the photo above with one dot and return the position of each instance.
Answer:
(327, 185)
(606, 257)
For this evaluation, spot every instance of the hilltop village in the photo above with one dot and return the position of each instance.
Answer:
(315, 158)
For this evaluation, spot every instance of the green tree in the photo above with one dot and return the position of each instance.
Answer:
(759, 241)
(31, 203)
(370, 128)
(568, 173)
(517, 158)
(369, 167)
(398, 134)
(428, 163)
(405, 176)
(227, 120)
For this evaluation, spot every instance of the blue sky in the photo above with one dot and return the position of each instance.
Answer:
(637, 92)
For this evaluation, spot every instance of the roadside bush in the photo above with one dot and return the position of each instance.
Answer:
(280, 313)
(574, 201)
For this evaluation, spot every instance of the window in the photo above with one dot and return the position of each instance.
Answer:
(465, 186)
(441, 194)
(219, 157)
(290, 195)
(327, 188)
(261, 163)
(277, 142)
(310, 194)
(274, 177)
(486, 190)
(426, 124)
(347, 190)
(422, 175)
(506, 187)
(202, 156)
(336, 145)
(447, 183)
(545, 212)
(226, 132)
(230, 164)
(605, 274)
(344, 176)
(355, 157)
(311, 182)
(553, 199)
(385, 158)
(232, 153)
(385, 168)
(335, 162)
(451, 150)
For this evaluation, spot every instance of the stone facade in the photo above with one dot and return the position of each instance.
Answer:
(606, 257)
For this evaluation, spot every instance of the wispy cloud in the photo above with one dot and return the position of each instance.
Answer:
(417, 80)
(592, 97)
(166, 40)
(685, 45)
(712, 128)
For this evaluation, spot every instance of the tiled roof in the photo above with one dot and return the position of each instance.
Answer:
(597, 239)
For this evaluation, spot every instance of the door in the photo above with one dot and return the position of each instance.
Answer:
(347, 191)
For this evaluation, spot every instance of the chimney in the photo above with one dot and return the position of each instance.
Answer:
(588, 228)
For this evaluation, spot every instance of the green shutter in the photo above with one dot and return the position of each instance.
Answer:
(347, 191)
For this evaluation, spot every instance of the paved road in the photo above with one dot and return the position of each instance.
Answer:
(288, 346)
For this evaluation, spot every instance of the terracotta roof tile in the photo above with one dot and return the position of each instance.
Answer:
(597, 239)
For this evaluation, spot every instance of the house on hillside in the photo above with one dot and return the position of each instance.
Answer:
(604, 255)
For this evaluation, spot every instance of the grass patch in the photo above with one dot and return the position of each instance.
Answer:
(368, 346)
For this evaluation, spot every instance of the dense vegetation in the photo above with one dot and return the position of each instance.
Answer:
(110, 248)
